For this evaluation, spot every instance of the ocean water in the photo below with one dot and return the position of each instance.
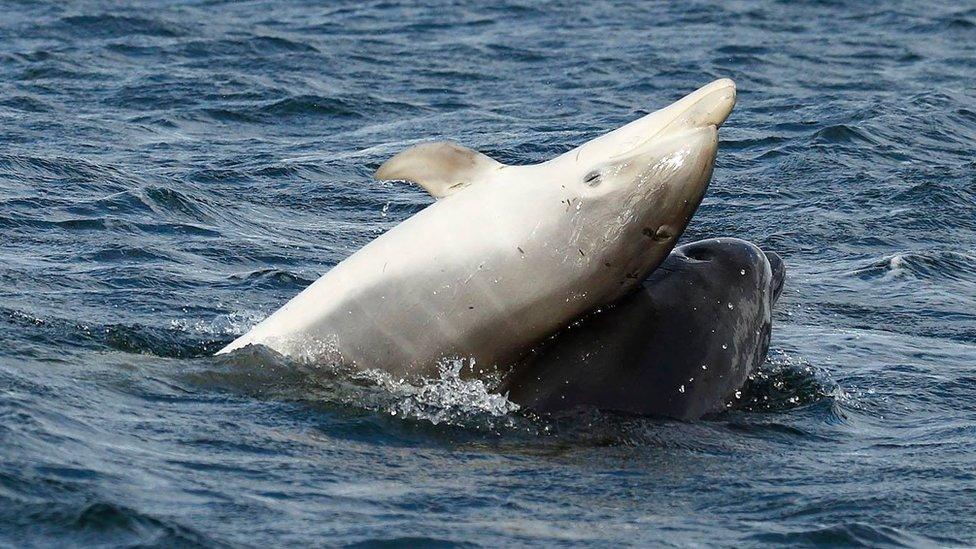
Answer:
(172, 172)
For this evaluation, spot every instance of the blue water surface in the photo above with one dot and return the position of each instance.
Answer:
(172, 172)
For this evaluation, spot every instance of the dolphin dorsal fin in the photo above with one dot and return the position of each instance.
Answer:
(441, 167)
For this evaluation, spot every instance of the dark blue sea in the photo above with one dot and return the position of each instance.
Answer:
(172, 172)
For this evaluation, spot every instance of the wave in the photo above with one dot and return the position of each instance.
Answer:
(852, 534)
(302, 108)
(843, 134)
(149, 202)
(260, 47)
(180, 339)
(96, 523)
(57, 171)
(272, 279)
(782, 383)
(311, 105)
(935, 265)
(114, 26)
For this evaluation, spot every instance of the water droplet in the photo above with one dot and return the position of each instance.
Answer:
(704, 366)
(738, 394)
(724, 346)
(742, 272)
(730, 305)
(681, 389)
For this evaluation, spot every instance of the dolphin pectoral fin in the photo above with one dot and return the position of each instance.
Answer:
(441, 167)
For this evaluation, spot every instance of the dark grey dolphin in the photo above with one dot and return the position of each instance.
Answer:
(679, 347)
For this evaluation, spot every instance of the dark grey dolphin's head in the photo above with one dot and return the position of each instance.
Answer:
(727, 264)
(678, 347)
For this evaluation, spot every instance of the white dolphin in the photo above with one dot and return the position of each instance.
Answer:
(508, 254)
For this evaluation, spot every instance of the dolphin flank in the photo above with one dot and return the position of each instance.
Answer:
(507, 255)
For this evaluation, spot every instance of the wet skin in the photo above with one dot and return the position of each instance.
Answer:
(679, 347)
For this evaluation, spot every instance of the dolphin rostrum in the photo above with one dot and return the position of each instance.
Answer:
(507, 255)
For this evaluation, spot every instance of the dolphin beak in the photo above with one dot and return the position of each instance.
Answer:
(707, 106)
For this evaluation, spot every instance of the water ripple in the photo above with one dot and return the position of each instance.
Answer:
(174, 172)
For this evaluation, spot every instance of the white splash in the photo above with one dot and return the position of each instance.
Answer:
(233, 324)
(448, 398)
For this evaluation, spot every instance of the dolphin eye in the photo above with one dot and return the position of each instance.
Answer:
(592, 179)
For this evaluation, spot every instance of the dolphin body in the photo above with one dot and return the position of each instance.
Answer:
(678, 347)
(507, 255)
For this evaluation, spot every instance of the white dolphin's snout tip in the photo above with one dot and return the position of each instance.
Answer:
(708, 106)
(714, 102)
